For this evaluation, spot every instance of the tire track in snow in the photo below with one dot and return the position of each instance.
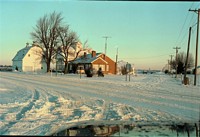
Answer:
(49, 94)
(142, 91)
(21, 114)
(107, 92)
(35, 97)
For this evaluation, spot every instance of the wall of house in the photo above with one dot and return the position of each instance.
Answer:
(32, 61)
(17, 64)
(99, 63)
(112, 64)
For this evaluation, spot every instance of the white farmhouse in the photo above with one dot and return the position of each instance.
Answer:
(72, 55)
(29, 59)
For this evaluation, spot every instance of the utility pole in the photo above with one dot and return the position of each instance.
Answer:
(168, 65)
(186, 62)
(171, 63)
(197, 37)
(126, 70)
(116, 62)
(176, 58)
(106, 37)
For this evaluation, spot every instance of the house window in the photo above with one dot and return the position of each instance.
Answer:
(95, 66)
(86, 66)
(29, 55)
(70, 67)
(41, 67)
(102, 67)
(107, 68)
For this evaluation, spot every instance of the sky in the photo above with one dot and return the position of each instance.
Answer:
(144, 33)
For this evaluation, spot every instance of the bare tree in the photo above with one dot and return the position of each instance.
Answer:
(181, 58)
(69, 40)
(45, 33)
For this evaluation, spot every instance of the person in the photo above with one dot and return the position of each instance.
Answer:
(100, 73)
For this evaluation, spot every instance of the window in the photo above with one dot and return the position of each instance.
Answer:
(29, 55)
(107, 67)
(102, 67)
(70, 67)
(95, 66)
(86, 66)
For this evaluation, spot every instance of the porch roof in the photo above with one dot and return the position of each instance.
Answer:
(86, 60)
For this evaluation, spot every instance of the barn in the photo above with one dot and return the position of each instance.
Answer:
(29, 59)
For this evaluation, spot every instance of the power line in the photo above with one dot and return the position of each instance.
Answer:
(182, 28)
(106, 37)
(183, 25)
(171, 63)
(184, 39)
(182, 36)
(192, 19)
(184, 42)
(147, 57)
(197, 6)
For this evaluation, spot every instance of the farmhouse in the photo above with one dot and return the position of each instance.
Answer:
(94, 61)
(29, 59)
(72, 53)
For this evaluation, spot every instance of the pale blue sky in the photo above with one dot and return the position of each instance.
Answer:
(144, 32)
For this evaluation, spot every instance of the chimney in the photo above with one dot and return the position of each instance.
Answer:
(85, 55)
(93, 53)
(27, 44)
(34, 43)
(104, 56)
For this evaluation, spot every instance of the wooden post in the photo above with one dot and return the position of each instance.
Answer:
(116, 62)
(176, 58)
(80, 71)
(126, 70)
(197, 37)
(196, 127)
(185, 80)
(168, 66)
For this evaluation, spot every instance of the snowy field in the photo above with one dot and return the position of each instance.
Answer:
(38, 104)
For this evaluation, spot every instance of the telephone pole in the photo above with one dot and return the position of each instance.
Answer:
(176, 58)
(197, 37)
(168, 65)
(116, 62)
(171, 63)
(106, 37)
(186, 62)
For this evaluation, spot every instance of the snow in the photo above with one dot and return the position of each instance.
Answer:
(38, 104)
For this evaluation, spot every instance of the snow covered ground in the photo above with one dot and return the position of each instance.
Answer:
(37, 104)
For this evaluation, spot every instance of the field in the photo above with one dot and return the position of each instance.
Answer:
(39, 104)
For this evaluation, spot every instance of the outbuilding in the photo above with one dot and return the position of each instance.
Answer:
(29, 59)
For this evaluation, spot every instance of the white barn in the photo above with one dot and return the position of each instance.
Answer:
(29, 59)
